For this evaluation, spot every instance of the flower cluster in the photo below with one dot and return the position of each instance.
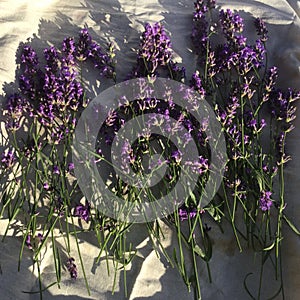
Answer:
(102, 60)
(33, 242)
(72, 268)
(52, 93)
(234, 77)
(184, 214)
(155, 53)
(265, 201)
(200, 30)
(82, 211)
(231, 74)
(240, 112)
(41, 115)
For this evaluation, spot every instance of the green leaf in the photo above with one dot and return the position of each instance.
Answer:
(270, 247)
(199, 251)
(214, 213)
(292, 226)
(260, 181)
(207, 253)
(193, 198)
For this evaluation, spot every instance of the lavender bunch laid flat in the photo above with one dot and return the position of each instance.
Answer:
(40, 187)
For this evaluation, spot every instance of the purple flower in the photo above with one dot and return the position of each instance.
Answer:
(83, 45)
(82, 211)
(200, 166)
(260, 50)
(263, 123)
(61, 90)
(193, 213)
(202, 7)
(40, 237)
(102, 60)
(27, 86)
(253, 123)
(232, 107)
(72, 268)
(69, 49)
(29, 75)
(155, 51)
(71, 167)
(265, 201)
(249, 58)
(52, 59)
(240, 41)
(200, 27)
(46, 115)
(177, 156)
(56, 170)
(261, 29)
(200, 10)
(28, 60)
(111, 118)
(231, 24)
(270, 83)
(16, 105)
(224, 57)
(282, 108)
(59, 133)
(28, 241)
(196, 83)
(8, 159)
(184, 213)
(46, 186)
(177, 73)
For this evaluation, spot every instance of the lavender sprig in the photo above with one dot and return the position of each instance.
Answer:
(234, 77)
(155, 54)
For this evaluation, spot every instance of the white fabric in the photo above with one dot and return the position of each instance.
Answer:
(149, 277)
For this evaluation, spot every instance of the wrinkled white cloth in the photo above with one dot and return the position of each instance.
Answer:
(47, 22)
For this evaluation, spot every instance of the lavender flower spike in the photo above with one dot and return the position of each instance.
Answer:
(265, 201)
(82, 211)
(72, 268)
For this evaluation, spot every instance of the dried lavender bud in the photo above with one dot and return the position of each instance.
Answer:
(83, 45)
(200, 27)
(52, 59)
(196, 83)
(261, 29)
(69, 50)
(72, 268)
